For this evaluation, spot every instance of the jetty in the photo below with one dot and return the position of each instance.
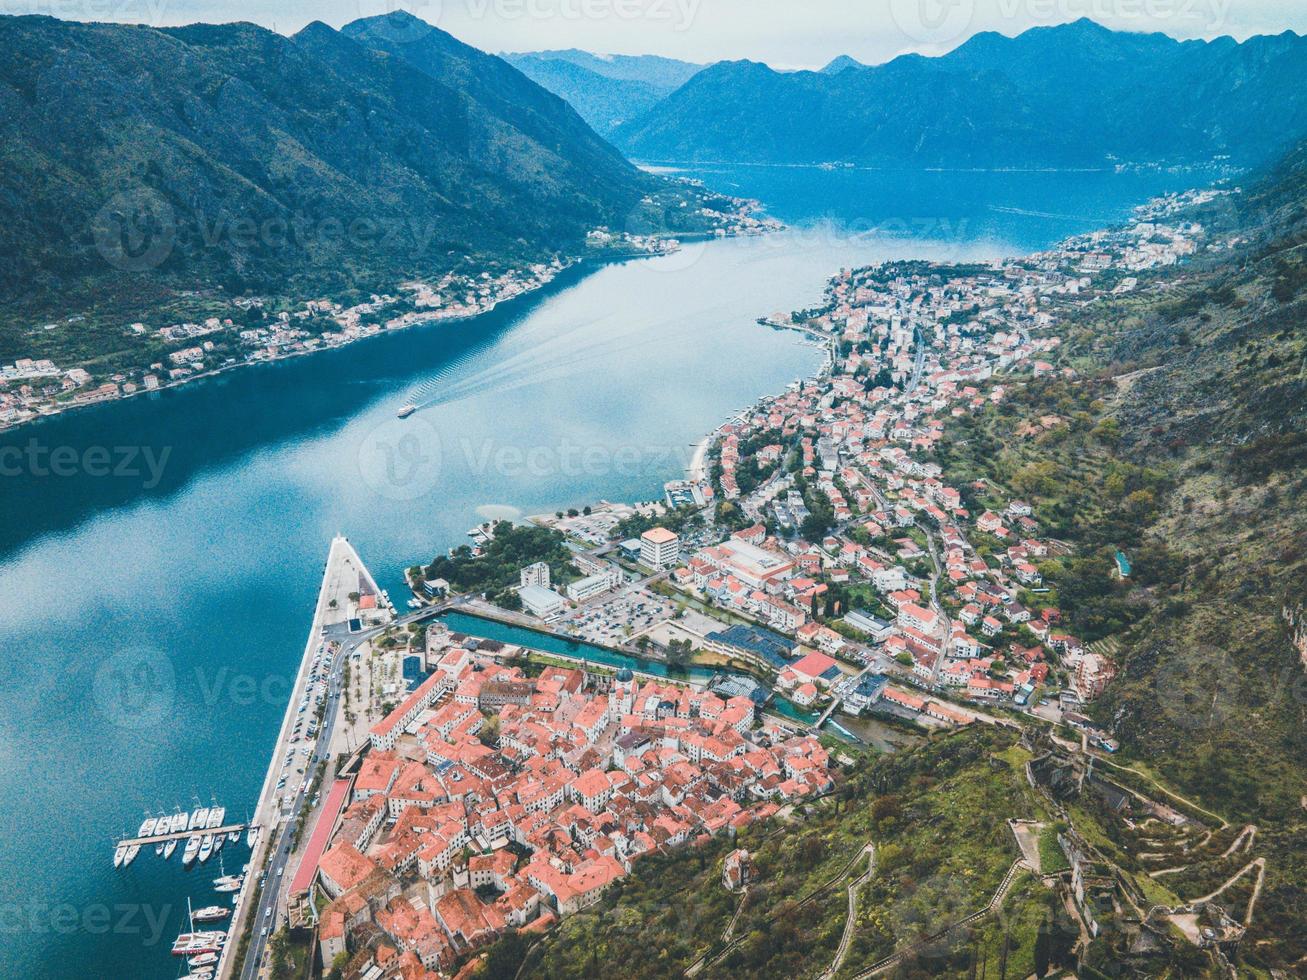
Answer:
(230, 828)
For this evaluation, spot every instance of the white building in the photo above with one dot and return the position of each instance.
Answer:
(542, 602)
(659, 548)
(537, 573)
(593, 585)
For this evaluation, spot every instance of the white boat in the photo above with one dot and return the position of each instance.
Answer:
(218, 841)
(119, 853)
(195, 944)
(192, 849)
(178, 822)
(211, 913)
(234, 836)
(216, 816)
(204, 959)
(206, 847)
(227, 883)
(251, 835)
(168, 847)
(147, 827)
(130, 856)
(199, 819)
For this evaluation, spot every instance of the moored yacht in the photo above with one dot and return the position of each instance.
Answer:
(206, 847)
(130, 856)
(216, 816)
(211, 913)
(119, 853)
(168, 847)
(147, 827)
(192, 849)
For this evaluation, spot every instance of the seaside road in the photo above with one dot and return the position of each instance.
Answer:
(267, 916)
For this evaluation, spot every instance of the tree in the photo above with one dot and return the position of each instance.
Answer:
(679, 653)
(508, 599)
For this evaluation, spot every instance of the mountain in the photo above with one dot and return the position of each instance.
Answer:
(663, 74)
(842, 63)
(606, 91)
(329, 163)
(1076, 95)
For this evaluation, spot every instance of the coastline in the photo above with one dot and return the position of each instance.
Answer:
(697, 471)
(400, 323)
(529, 286)
(340, 555)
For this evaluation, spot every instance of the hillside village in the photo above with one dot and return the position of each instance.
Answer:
(255, 329)
(818, 548)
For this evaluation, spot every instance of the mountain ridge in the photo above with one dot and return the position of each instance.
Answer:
(1073, 96)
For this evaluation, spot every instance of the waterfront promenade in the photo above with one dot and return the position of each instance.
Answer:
(340, 578)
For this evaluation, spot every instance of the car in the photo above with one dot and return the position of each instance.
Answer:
(267, 912)
(279, 871)
(265, 931)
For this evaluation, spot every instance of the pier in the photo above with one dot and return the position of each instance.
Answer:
(181, 835)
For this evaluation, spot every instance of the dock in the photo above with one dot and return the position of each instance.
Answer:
(181, 835)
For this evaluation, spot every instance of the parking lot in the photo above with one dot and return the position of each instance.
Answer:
(620, 616)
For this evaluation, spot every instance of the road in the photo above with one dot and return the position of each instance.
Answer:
(266, 917)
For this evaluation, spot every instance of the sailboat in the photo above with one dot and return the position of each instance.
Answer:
(225, 882)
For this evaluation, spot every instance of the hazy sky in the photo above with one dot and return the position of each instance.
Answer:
(784, 33)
